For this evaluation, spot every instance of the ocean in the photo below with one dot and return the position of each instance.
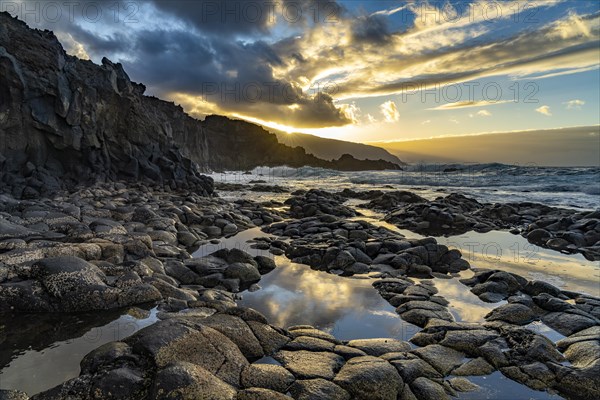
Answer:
(572, 187)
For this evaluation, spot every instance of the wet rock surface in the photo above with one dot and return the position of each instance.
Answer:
(108, 246)
(559, 229)
(113, 245)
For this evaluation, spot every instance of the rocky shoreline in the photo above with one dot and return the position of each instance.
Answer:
(118, 245)
(565, 230)
(103, 206)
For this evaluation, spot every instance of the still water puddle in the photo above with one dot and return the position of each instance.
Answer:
(348, 308)
(498, 387)
(41, 351)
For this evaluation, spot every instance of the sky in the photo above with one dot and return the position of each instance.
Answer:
(363, 71)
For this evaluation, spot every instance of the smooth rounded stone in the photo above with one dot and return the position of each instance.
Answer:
(475, 367)
(267, 376)
(12, 395)
(512, 282)
(410, 369)
(581, 383)
(369, 378)
(550, 303)
(310, 344)
(357, 268)
(462, 385)
(584, 354)
(443, 359)
(343, 260)
(183, 274)
(513, 313)
(230, 229)
(167, 290)
(558, 243)
(420, 305)
(420, 271)
(119, 383)
(317, 389)
(173, 340)
(539, 236)
(187, 239)
(270, 339)
(164, 236)
(265, 264)
(261, 246)
(260, 394)
(491, 297)
(567, 323)
(312, 332)
(378, 347)
(155, 265)
(235, 255)
(189, 381)
(246, 273)
(138, 294)
(586, 334)
(494, 354)
(348, 352)
(309, 364)
(384, 258)
(399, 299)
(535, 288)
(420, 317)
(247, 314)
(8, 230)
(359, 255)
(208, 265)
(426, 389)
(167, 251)
(276, 251)
(423, 339)
(63, 266)
(421, 290)
(239, 332)
(358, 234)
(212, 231)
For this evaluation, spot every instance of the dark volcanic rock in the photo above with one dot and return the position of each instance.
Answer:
(83, 122)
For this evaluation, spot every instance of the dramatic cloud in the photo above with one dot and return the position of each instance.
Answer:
(544, 110)
(310, 63)
(390, 111)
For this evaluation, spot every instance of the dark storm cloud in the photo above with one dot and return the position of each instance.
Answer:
(238, 77)
(250, 17)
(199, 51)
(223, 17)
(371, 29)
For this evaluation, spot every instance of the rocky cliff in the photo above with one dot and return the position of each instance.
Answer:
(66, 121)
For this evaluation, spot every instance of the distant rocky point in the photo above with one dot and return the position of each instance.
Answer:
(66, 121)
(333, 149)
